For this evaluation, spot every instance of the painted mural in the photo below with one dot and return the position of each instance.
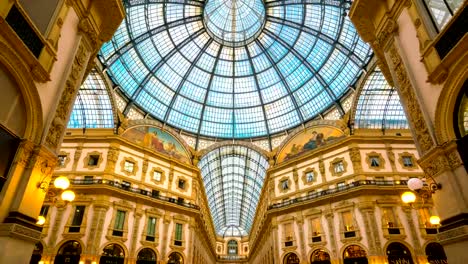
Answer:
(156, 139)
(312, 138)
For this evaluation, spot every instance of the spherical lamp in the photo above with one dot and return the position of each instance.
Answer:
(62, 182)
(408, 197)
(434, 220)
(415, 184)
(68, 196)
(40, 220)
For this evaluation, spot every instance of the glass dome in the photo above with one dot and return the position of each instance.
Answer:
(235, 68)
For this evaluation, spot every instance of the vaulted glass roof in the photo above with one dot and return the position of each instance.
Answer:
(233, 178)
(379, 105)
(93, 107)
(235, 68)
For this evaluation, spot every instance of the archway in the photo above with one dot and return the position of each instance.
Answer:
(175, 258)
(146, 256)
(435, 253)
(398, 253)
(37, 253)
(354, 254)
(69, 253)
(291, 258)
(112, 254)
(232, 247)
(320, 256)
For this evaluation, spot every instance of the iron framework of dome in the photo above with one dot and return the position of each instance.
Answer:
(235, 68)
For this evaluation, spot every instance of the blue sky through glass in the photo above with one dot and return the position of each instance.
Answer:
(301, 61)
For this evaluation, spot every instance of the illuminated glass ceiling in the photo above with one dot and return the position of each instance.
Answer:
(379, 105)
(92, 108)
(233, 178)
(235, 68)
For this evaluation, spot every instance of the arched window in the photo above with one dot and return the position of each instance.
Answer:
(69, 253)
(112, 254)
(146, 256)
(291, 258)
(435, 253)
(461, 123)
(354, 254)
(175, 258)
(37, 253)
(320, 256)
(232, 247)
(398, 253)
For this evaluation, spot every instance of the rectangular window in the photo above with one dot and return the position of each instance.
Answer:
(374, 161)
(157, 175)
(44, 210)
(348, 221)
(178, 234)
(425, 214)
(93, 160)
(407, 161)
(151, 229)
(61, 160)
(338, 167)
(129, 166)
(288, 232)
(119, 220)
(285, 184)
(315, 227)
(181, 184)
(310, 176)
(77, 219)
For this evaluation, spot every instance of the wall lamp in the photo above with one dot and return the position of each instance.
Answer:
(59, 188)
(424, 191)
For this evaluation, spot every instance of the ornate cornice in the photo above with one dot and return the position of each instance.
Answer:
(440, 159)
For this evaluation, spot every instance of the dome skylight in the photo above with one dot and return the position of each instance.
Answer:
(235, 68)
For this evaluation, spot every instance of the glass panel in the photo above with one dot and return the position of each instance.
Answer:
(151, 229)
(119, 220)
(178, 232)
(78, 216)
(348, 221)
(233, 177)
(379, 105)
(92, 108)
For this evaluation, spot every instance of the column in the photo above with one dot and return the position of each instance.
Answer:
(428, 83)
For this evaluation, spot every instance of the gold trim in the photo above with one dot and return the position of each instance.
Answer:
(65, 161)
(135, 166)
(413, 160)
(186, 183)
(380, 160)
(335, 162)
(280, 184)
(304, 176)
(88, 156)
(163, 175)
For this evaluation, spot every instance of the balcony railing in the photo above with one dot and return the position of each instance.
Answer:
(231, 257)
(127, 188)
(342, 189)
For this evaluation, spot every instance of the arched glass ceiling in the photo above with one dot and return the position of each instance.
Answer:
(235, 68)
(92, 108)
(233, 179)
(379, 105)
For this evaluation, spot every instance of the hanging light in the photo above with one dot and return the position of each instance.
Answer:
(62, 182)
(68, 196)
(408, 197)
(434, 220)
(40, 220)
